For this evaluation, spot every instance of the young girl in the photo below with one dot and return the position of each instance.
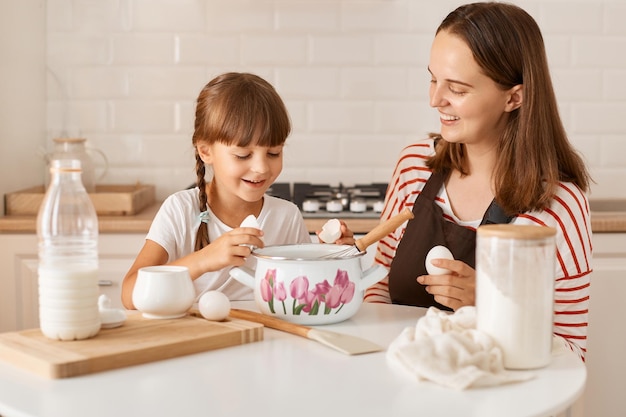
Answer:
(240, 129)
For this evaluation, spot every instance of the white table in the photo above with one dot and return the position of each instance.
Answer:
(287, 375)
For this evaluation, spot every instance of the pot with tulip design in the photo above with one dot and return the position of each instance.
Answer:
(295, 283)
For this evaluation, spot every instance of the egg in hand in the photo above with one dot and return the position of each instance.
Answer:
(250, 221)
(438, 252)
(331, 231)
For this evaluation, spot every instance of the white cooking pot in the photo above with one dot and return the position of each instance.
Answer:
(294, 283)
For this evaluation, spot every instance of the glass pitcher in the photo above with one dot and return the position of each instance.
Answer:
(75, 148)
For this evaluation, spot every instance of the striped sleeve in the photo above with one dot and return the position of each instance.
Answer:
(407, 181)
(569, 215)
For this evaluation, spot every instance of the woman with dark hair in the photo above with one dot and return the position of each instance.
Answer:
(502, 156)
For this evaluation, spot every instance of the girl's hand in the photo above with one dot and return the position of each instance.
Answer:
(453, 290)
(232, 248)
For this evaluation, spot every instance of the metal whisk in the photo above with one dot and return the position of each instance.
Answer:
(377, 233)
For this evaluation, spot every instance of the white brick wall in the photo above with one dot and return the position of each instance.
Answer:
(125, 74)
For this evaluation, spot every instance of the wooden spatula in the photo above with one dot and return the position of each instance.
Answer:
(350, 345)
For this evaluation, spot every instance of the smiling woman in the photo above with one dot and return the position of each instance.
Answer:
(501, 156)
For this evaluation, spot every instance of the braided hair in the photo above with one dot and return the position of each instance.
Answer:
(239, 109)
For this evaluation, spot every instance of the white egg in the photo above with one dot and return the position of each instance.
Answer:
(250, 221)
(214, 305)
(437, 252)
(331, 231)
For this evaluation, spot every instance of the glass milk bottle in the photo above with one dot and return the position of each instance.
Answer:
(515, 267)
(67, 231)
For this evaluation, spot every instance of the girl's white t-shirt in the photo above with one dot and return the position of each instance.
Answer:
(176, 224)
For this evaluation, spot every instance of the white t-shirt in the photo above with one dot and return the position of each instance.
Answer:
(176, 224)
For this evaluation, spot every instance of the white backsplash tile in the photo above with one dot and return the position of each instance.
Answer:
(322, 82)
(239, 16)
(337, 116)
(577, 84)
(340, 49)
(273, 50)
(382, 82)
(166, 83)
(147, 116)
(168, 15)
(308, 16)
(614, 13)
(596, 51)
(195, 48)
(374, 16)
(98, 82)
(400, 49)
(126, 73)
(142, 49)
(614, 86)
(575, 19)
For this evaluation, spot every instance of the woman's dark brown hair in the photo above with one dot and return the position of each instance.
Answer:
(534, 153)
(239, 109)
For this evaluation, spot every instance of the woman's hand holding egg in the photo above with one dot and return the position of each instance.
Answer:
(331, 231)
(454, 287)
(438, 252)
(336, 231)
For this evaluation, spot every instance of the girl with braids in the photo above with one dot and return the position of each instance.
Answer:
(240, 129)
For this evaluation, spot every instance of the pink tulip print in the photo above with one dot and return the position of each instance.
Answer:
(267, 285)
(322, 297)
(280, 294)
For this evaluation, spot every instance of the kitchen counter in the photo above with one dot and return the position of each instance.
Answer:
(609, 218)
(138, 223)
(285, 374)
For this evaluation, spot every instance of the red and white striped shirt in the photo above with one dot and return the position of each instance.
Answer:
(568, 214)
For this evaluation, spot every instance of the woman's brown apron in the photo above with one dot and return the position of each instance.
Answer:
(428, 229)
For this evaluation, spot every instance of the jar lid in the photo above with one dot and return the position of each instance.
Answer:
(65, 165)
(69, 140)
(515, 231)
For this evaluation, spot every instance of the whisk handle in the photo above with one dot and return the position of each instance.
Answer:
(383, 229)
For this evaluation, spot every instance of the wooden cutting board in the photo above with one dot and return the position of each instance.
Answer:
(138, 341)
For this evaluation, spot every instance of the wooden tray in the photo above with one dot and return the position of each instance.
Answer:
(138, 341)
(108, 200)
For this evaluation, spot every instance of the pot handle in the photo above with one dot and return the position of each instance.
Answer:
(372, 275)
(243, 275)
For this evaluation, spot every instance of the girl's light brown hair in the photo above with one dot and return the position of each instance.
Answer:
(239, 109)
(534, 153)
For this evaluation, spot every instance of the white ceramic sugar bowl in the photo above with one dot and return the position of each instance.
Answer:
(163, 291)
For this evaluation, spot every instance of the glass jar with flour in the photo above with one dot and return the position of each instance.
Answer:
(515, 267)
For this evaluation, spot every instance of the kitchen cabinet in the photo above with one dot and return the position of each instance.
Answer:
(606, 363)
(18, 282)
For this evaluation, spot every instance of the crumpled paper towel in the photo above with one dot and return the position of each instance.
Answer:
(447, 349)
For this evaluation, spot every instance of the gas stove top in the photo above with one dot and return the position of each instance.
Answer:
(323, 200)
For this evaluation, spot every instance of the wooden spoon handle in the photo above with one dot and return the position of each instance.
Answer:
(271, 322)
(383, 229)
